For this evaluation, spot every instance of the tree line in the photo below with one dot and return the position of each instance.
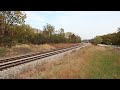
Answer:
(108, 39)
(13, 30)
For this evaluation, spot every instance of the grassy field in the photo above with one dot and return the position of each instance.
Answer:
(92, 62)
(105, 64)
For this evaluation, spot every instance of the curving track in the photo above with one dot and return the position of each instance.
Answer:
(11, 62)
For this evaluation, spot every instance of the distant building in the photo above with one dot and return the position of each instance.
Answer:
(37, 30)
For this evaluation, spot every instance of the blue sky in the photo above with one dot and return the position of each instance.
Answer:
(87, 24)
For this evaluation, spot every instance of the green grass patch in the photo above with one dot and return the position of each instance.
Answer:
(104, 64)
(2, 51)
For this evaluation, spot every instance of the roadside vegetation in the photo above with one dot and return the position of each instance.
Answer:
(92, 62)
(108, 39)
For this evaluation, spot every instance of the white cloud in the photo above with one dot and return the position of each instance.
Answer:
(85, 23)
(88, 24)
(34, 16)
(35, 19)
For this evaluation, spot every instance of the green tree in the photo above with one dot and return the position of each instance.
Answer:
(7, 20)
(78, 39)
(97, 40)
(62, 35)
(48, 29)
(11, 17)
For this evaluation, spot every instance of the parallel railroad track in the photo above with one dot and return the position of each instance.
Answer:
(11, 62)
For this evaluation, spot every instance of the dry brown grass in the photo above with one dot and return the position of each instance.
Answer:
(70, 66)
(27, 49)
(62, 45)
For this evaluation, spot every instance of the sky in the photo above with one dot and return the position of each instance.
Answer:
(86, 24)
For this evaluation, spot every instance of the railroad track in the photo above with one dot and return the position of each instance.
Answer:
(11, 62)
